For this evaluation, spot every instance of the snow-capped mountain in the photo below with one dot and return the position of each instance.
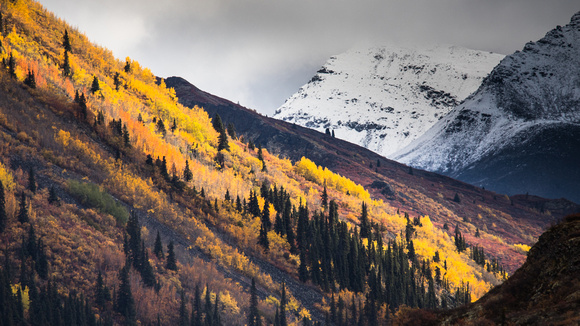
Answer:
(383, 98)
(521, 130)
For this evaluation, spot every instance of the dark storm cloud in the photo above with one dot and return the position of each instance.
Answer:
(259, 52)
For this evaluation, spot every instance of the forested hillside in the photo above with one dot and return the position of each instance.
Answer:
(118, 205)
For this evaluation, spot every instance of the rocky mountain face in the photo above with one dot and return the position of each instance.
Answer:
(520, 132)
(383, 98)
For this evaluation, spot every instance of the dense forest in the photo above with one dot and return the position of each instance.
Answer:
(120, 206)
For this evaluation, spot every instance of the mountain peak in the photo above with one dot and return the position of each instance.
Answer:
(525, 115)
(384, 97)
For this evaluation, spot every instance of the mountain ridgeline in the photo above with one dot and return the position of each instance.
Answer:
(519, 133)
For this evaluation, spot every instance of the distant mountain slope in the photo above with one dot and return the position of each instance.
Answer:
(385, 97)
(516, 220)
(520, 131)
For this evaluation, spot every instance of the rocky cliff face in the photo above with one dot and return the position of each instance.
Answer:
(385, 97)
(520, 131)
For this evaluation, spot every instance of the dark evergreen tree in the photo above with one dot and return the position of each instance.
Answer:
(196, 311)
(216, 311)
(183, 313)
(146, 271)
(171, 260)
(223, 141)
(217, 123)
(30, 79)
(125, 304)
(231, 130)
(95, 87)
(158, 247)
(161, 127)
(174, 125)
(3, 216)
(239, 207)
(23, 211)
(324, 198)
(117, 83)
(41, 263)
(208, 308)
(254, 315)
(126, 139)
(12, 66)
(187, 174)
(127, 67)
(134, 240)
(410, 170)
(263, 238)
(365, 226)
(456, 198)
(283, 301)
(163, 169)
(66, 68)
(266, 216)
(66, 42)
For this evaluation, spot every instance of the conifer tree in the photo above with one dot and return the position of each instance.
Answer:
(66, 68)
(95, 87)
(216, 312)
(217, 123)
(196, 311)
(171, 260)
(23, 211)
(66, 42)
(365, 227)
(126, 139)
(31, 180)
(161, 127)
(3, 216)
(52, 196)
(254, 315)
(223, 141)
(30, 79)
(101, 297)
(12, 66)
(231, 130)
(283, 301)
(456, 198)
(183, 313)
(187, 174)
(263, 238)
(208, 311)
(324, 197)
(125, 304)
(117, 83)
(158, 247)
(127, 67)
(174, 125)
(239, 207)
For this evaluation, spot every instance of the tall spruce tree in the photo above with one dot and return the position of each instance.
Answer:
(95, 87)
(283, 301)
(3, 216)
(66, 42)
(23, 210)
(125, 304)
(254, 315)
(187, 174)
(31, 180)
(158, 247)
(171, 260)
(183, 313)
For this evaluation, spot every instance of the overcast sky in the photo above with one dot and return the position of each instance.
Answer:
(259, 52)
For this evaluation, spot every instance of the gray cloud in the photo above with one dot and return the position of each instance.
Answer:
(258, 52)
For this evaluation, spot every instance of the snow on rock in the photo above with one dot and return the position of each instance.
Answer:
(383, 98)
(531, 89)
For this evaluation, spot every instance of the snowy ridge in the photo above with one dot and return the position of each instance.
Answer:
(528, 91)
(385, 97)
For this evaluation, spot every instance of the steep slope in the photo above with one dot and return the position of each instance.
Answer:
(519, 132)
(110, 186)
(420, 193)
(383, 98)
(544, 291)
